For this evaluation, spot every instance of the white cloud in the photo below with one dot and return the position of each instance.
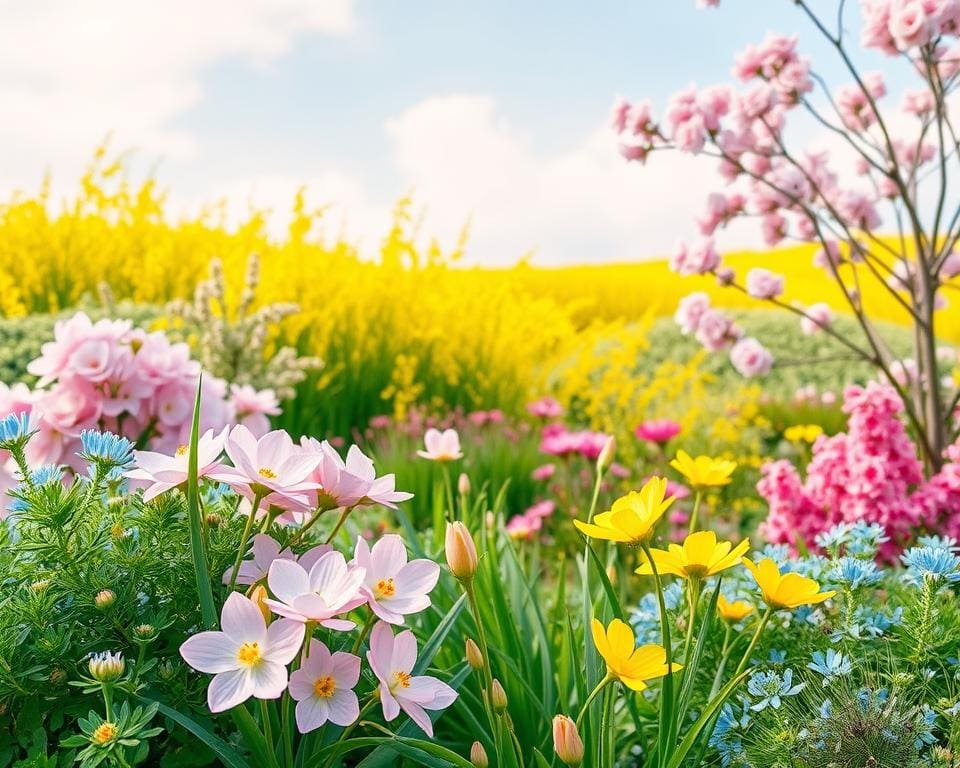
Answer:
(70, 72)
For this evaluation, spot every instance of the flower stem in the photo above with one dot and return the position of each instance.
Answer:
(487, 671)
(242, 549)
(593, 694)
(696, 510)
(753, 641)
(340, 521)
(607, 739)
(667, 729)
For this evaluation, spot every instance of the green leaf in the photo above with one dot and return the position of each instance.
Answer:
(539, 759)
(227, 754)
(208, 610)
(605, 581)
(433, 644)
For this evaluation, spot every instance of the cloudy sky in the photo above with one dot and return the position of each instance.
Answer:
(494, 112)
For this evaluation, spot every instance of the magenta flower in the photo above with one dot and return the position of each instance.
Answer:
(523, 527)
(392, 660)
(441, 446)
(543, 472)
(247, 658)
(323, 688)
(657, 431)
(167, 472)
(546, 408)
(327, 590)
(393, 587)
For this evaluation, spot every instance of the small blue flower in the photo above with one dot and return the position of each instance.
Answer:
(865, 540)
(854, 572)
(925, 723)
(105, 449)
(779, 553)
(777, 657)
(953, 711)
(15, 431)
(47, 474)
(830, 665)
(673, 595)
(938, 542)
(770, 688)
(932, 563)
(834, 538)
(826, 710)
(727, 731)
(875, 623)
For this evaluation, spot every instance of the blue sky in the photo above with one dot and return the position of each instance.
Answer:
(493, 112)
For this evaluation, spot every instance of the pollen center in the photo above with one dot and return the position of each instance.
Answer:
(401, 680)
(181, 450)
(385, 588)
(249, 654)
(267, 473)
(104, 733)
(324, 687)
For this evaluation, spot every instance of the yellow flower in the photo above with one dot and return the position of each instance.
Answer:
(803, 433)
(633, 517)
(787, 590)
(703, 471)
(699, 557)
(735, 611)
(632, 666)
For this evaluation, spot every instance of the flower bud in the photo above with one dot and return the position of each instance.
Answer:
(478, 755)
(473, 655)
(144, 633)
(106, 667)
(463, 484)
(498, 697)
(40, 586)
(461, 551)
(606, 454)
(566, 741)
(258, 594)
(104, 599)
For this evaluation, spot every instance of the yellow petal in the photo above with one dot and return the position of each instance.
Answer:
(698, 547)
(621, 640)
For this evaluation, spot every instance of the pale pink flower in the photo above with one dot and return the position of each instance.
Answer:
(764, 284)
(392, 660)
(271, 467)
(441, 446)
(543, 472)
(658, 431)
(751, 358)
(546, 408)
(818, 317)
(265, 551)
(699, 258)
(523, 527)
(353, 482)
(167, 472)
(541, 509)
(919, 102)
(951, 267)
(716, 330)
(246, 658)
(323, 688)
(253, 408)
(329, 589)
(690, 310)
(910, 24)
(392, 586)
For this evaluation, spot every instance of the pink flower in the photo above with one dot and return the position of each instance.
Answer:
(392, 660)
(327, 590)
(523, 527)
(247, 658)
(854, 107)
(541, 509)
(686, 122)
(441, 446)
(818, 317)
(272, 468)
(546, 408)
(265, 551)
(716, 330)
(392, 586)
(690, 310)
(543, 472)
(699, 259)
(252, 408)
(763, 284)
(168, 472)
(910, 24)
(323, 688)
(350, 483)
(658, 431)
(920, 102)
(751, 358)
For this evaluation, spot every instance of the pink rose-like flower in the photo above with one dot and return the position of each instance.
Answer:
(328, 589)
(751, 358)
(699, 259)
(247, 658)
(167, 472)
(441, 446)
(690, 310)
(323, 688)
(546, 408)
(910, 25)
(818, 317)
(392, 660)
(253, 408)
(764, 284)
(658, 431)
(392, 586)
(716, 330)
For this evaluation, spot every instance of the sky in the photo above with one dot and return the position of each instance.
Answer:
(494, 114)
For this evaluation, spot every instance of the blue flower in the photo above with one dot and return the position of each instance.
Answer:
(105, 449)
(935, 564)
(770, 687)
(15, 431)
(779, 553)
(854, 572)
(830, 665)
(777, 657)
(938, 542)
(865, 540)
(834, 538)
(925, 722)
(47, 474)
(727, 731)
(875, 623)
(826, 710)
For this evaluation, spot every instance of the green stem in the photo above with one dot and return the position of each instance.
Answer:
(364, 632)
(340, 521)
(724, 658)
(593, 694)
(242, 549)
(606, 729)
(287, 732)
(753, 641)
(696, 510)
(667, 729)
(298, 536)
(267, 727)
(107, 690)
(487, 671)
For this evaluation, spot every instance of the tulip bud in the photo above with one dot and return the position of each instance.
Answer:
(463, 484)
(258, 594)
(606, 454)
(498, 697)
(106, 667)
(104, 599)
(461, 551)
(478, 755)
(473, 655)
(566, 741)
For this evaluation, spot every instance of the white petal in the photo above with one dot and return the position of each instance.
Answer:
(229, 689)
(287, 580)
(269, 680)
(242, 621)
(311, 713)
(284, 639)
(210, 652)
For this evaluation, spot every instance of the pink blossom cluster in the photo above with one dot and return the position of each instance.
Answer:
(526, 525)
(894, 26)
(108, 375)
(870, 473)
(557, 440)
(716, 330)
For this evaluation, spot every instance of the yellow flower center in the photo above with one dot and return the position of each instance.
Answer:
(324, 687)
(104, 733)
(182, 449)
(385, 588)
(249, 654)
(400, 680)
(696, 570)
(267, 473)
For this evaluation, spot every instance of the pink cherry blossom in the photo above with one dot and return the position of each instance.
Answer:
(764, 284)
(328, 589)
(751, 358)
(392, 586)
(323, 688)
(253, 408)
(716, 330)
(698, 259)
(167, 472)
(690, 311)
(910, 24)
(246, 658)
(392, 660)
(818, 317)
(441, 446)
